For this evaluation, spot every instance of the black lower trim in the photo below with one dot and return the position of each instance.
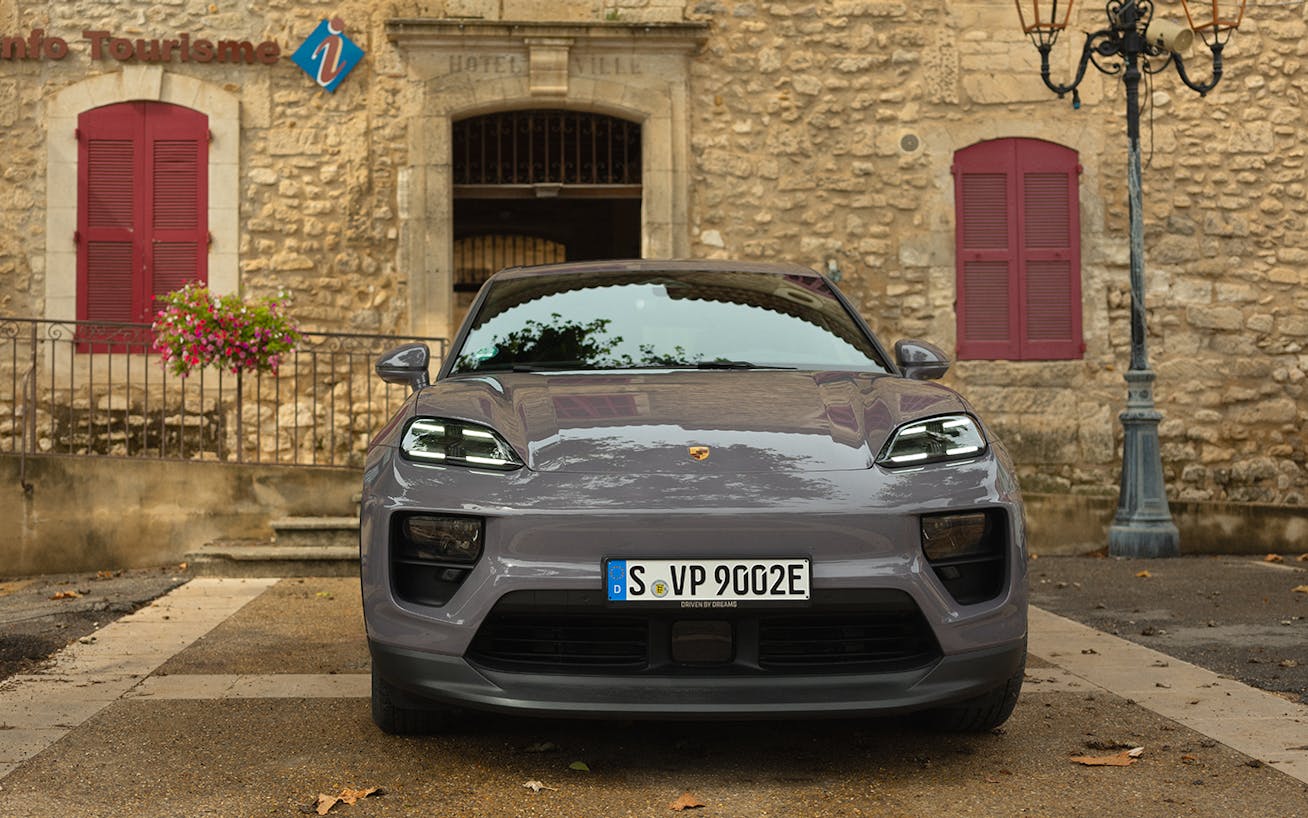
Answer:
(418, 678)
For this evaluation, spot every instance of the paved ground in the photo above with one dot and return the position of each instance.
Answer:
(34, 623)
(1239, 616)
(246, 697)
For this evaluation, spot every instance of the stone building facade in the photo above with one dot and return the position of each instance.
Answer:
(824, 133)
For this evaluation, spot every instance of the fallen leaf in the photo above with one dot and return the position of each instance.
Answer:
(686, 801)
(579, 766)
(537, 786)
(1302, 557)
(541, 747)
(324, 595)
(1300, 589)
(66, 595)
(1289, 663)
(1144, 574)
(1273, 558)
(181, 566)
(348, 796)
(1123, 759)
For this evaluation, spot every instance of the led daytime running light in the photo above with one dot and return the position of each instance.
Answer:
(935, 440)
(455, 443)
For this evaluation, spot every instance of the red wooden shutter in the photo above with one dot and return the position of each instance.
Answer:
(177, 211)
(1050, 275)
(1018, 246)
(143, 207)
(106, 214)
(987, 252)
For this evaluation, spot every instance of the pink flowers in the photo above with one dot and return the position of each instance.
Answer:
(195, 329)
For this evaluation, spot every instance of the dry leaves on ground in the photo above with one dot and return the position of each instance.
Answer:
(1123, 759)
(1299, 589)
(579, 766)
(1302, 557)
(1273, 558)
(347, 796)
(66, 595)
(1144, 575)
(686, 801)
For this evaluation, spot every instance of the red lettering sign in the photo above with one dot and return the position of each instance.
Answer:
(103, 45)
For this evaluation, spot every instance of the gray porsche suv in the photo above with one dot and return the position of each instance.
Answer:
(686, 489)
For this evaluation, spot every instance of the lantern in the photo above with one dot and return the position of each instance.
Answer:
(1046, 19)
(1214, 20)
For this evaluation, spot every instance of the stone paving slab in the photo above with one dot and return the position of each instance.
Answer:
(1261, 724)
(88, 675)
(264, 686)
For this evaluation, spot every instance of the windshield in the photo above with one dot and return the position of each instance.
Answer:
(662, 319)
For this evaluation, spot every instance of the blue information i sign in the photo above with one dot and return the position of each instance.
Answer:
(328, 55)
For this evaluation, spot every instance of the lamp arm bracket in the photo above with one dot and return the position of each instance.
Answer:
(1151, 68)
(1201, 87)
(1087, 56)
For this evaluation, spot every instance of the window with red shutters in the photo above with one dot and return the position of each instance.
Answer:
(1018, 251)
(142, 208)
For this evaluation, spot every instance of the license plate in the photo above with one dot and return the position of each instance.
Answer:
(708, 581)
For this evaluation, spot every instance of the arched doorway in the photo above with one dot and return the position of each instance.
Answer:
(542, 185)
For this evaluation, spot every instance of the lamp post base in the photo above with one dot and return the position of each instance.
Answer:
(1143, 526)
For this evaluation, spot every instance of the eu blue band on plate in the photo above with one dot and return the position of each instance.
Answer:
(617, 580)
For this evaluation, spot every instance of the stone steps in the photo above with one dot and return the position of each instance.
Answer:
(301, 547)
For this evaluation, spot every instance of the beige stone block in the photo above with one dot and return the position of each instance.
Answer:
(140, 82)
(554, 11)
(1293, 325)
(224, 272)
(1215, 317)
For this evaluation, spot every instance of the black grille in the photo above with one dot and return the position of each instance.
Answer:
(888, 639)
(578, 632)
(530, 642)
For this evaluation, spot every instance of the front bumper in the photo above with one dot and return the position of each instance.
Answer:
(549, 534)
(426, 677)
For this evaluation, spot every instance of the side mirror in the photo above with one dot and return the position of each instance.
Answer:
(405, 364)
(919, 360)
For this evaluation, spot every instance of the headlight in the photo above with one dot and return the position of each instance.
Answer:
(934, 440)
(456, 443)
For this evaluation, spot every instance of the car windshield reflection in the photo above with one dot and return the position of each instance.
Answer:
(664, 320)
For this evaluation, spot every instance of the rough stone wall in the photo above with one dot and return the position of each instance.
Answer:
(824, 133)
(821, 132)
(318, 171)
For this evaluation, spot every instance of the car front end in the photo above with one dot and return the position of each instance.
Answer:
(672, 541)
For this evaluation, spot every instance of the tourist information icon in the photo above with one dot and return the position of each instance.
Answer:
(328, 55)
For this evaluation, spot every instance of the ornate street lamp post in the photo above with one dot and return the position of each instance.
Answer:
(1134, 42)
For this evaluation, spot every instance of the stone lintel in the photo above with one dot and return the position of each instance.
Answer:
(441, 34)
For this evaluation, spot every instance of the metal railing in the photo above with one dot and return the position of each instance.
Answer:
(97, 389)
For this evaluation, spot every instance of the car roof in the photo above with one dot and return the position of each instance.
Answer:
(656, 265)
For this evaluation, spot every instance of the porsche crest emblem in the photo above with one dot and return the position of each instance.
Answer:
(699, 452)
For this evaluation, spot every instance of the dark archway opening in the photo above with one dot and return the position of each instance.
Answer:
(542, 186)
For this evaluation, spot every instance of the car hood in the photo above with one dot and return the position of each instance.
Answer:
(648, 422)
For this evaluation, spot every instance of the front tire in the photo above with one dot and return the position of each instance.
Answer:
(393, 714)
(982, 713)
